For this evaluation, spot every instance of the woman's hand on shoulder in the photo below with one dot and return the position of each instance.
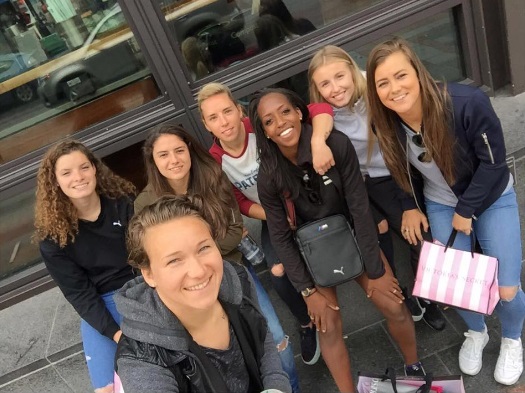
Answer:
(411, 224)
(322, 157)
(388, 285)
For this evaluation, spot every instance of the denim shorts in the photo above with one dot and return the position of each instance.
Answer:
(99, 349)
(497, 230)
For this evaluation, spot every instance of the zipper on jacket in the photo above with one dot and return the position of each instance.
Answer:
(486, 140)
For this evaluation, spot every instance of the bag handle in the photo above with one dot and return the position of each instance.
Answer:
(452, 238)
(390, 373)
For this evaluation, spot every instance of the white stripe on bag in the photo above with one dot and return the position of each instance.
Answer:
(460, 283)
(477, 285)
(446, 269)
(430, 267)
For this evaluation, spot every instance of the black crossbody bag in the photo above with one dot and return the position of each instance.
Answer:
(328, 247)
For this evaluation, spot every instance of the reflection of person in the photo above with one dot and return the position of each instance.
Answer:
(196, 57)
(451, 137)
(271, 32)
(81, 216)
(191, 323)
(177, 164)
(335, 78)
(277, 8)
(283, 138)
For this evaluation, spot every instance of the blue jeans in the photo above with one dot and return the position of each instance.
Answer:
(497, 230)
(100, 350)
(287, 359)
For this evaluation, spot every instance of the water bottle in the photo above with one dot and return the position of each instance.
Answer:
(251, 250)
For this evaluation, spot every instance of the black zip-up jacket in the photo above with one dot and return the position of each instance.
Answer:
(480, 163)
(94, 264)
(344, 179)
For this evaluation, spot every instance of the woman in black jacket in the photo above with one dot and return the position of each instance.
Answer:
(81, 215)
(286, 169)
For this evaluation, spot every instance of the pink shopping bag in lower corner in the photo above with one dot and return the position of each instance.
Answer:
(458, 278)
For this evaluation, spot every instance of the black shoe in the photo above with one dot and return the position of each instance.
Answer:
(310, 349)
(433, 316)
(415, 370)
(414, 306)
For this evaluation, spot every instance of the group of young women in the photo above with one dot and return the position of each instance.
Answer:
(402, 152)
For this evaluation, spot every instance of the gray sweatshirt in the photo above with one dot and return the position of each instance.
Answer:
(145, 318)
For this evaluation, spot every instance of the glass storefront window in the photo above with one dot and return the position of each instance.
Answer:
(65, 65)
(16, 229)
(435, 40)
(214, 34)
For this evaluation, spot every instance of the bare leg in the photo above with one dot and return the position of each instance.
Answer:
(333, 347)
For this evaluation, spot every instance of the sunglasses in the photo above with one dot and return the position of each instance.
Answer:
(419, 142)
(313, 195)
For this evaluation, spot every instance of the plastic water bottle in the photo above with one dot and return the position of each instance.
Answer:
(251, 250)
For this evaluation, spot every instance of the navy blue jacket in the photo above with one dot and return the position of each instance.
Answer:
(482, 173)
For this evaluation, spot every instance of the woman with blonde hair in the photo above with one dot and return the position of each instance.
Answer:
(335, 78)
(449, 136)
(81, 215)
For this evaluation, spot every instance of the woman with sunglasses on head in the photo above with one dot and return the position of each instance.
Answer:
(283, 138)
(176, 164)
(81, 215)
(449, 136)
(335, 78)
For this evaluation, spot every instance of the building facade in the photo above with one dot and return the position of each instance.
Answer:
(105, 72)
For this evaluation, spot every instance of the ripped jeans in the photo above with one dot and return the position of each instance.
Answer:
(286, 355)
(497, 230)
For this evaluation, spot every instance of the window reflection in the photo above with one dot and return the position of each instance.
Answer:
(216, 34)
(59, 55)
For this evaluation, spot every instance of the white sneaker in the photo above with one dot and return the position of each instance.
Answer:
(510, 362)
(471, 352)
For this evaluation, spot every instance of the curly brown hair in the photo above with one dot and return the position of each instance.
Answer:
(55, 216)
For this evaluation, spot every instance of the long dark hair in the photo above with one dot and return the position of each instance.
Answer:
(437, 116)
(272, 161)
(206, 177)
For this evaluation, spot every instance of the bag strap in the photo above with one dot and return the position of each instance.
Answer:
(452, 238)
(290, 211)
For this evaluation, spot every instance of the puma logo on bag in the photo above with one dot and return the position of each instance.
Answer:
(339, 270)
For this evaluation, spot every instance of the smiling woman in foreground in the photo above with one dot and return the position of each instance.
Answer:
(191, 323)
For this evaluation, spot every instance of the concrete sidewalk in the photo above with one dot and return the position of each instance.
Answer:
(41, 349)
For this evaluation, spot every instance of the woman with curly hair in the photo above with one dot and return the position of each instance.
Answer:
(81, 215)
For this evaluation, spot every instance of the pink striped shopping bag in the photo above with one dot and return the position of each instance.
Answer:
(461, 279)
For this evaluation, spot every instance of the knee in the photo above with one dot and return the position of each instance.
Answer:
(105, 389)
(396, 313)
(507, 294)
(382, 227)
(277, 270)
